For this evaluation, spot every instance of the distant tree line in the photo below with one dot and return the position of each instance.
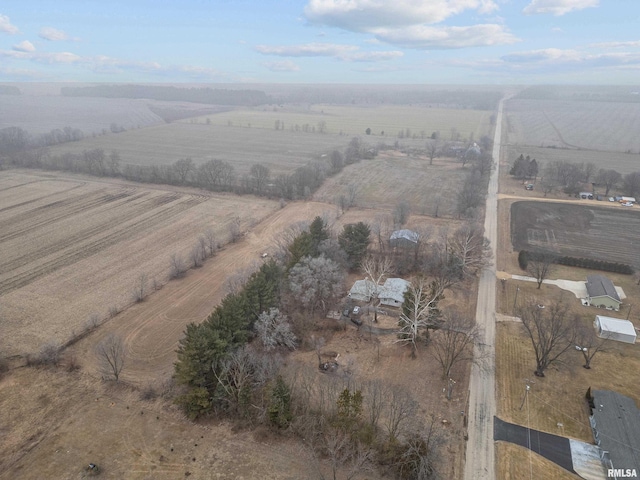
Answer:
(527, 256)
(16, 148)
(167, 93)
(9, 90)
(580, 93)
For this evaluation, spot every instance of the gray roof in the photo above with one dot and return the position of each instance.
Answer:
(394, 288)
(363, 287)
(617, 423)
(600, 286)
(406, 234)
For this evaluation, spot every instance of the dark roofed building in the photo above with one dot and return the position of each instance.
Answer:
(404, 238)
(602, 292)
(615, 421)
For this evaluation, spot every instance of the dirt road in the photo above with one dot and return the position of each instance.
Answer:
(480, 458)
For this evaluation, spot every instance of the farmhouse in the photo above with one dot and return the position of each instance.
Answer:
(404, 238)
(602, 293)
(615, 329)
(363, 290)
(392, 292)
(615, 422)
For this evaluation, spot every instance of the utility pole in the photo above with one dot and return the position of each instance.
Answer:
(629, 312)
(515, 300)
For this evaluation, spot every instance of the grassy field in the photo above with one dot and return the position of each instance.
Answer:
(422, 121)
(577, 230)
(392, 177)
(71, 247)
(281, 151)
(605, 126)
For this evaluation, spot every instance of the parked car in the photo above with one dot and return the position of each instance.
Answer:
(356, 320)
(611, 199)
(529, 186)
(356, 310)
(627, 204)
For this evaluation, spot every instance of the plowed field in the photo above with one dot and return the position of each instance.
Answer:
(71, 247)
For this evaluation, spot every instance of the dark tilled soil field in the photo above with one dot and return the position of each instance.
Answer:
(582, 231)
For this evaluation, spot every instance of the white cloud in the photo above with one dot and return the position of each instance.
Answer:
(6, 26)
(635, 43)
(24, 46)
(53, 34)
(48, 58)
(347, 53)
(373, 56)
(363, 15)
(307, 50)
(558, 7)
(282, 66)
(570, 59)
(423, 37)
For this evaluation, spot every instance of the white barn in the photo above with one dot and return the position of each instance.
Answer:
(615, 329)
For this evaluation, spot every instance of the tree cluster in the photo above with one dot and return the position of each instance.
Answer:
(524, 168)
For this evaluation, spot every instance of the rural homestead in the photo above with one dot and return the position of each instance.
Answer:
(320, 239)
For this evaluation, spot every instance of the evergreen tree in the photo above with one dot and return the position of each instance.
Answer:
(354, 240)
(279, 409)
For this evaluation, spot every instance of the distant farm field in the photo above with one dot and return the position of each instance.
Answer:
(391, 178)
(281, 151)
(606, 126)
(39, 114)
(71, 247)
(421, 121)
(611, 234)
(622, 162)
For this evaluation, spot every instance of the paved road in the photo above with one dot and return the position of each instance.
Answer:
(480, 461)
(552, 447)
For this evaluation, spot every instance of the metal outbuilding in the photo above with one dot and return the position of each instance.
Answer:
(615, 329)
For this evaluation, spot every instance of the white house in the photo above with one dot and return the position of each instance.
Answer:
(615, 329)
(392, 292)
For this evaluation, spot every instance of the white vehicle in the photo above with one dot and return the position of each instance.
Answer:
(356, 310)
(264, 255)
(627, 204)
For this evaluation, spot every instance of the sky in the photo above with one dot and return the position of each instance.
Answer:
(321, 41)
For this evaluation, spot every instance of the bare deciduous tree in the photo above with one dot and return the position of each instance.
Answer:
(401, 408)
(235, 233)
(453, 342)
(176, 266)
(471, 248)
(273, 329)
(540, 266)
(140, 290)
(376, 269)
(551, 333)
(316, 283)
(588, 342)
(111, 356)
(212, 244)
(401, 213)
(375, 400)
(195, 255)
(433, 150)
(419, 312)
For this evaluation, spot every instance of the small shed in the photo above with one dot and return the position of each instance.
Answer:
(363, 290)
(602, 293)
(615, 329)
(392, 292)
(404, 238)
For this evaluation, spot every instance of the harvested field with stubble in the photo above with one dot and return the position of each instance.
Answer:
(577, 230)
(393, 177)
(72, 247)
(421, 120)
(605, 126)
(280, 151)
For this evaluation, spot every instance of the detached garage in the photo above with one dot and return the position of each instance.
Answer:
(615, 329)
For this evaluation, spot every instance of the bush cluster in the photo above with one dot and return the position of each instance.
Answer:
(525, 256)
